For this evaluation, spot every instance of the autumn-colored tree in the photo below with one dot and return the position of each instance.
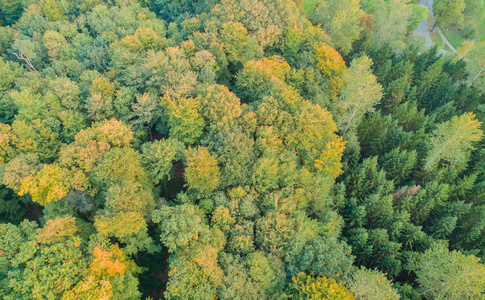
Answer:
(329, 62)
(202, 172)
(49, 184)
(308, 287)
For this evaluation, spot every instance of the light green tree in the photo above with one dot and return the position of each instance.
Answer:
(452, 140)
(369, 284)
(444, 274)
(448, 11)
(184, 118)
(361, 92)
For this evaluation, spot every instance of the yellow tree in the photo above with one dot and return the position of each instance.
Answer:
(49, 184)
(316, 288)
(202, 172)
(331, 65)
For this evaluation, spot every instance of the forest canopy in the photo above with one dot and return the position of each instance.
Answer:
(238, 149)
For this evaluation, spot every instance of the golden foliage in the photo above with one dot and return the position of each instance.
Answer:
(49, 184)
(56, 230)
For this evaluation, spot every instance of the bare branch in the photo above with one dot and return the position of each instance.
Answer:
(22, 57)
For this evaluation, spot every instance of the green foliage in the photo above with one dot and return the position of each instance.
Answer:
(159, 156)
(449, 11)
(274, 232)
(325, 257)
(449, 274)
(452, 140)
(214, 149)
(371, 284)
(181, 226)
(361, 92)
(341, 19)
(184, 119)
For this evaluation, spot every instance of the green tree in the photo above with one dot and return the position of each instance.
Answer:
(341, 20)
(452, 140)
(219, 106)
(274, 233)
(444, 274)
(184, 119)
(325, 257)
(448, 11)
(391, 22)
(40, 266)
(158, 157)
(369, 284)
(194, 275)
(237, 284)
(181, 226)
(360, 93)
(420, 14)
(476, 63)
(10, 11)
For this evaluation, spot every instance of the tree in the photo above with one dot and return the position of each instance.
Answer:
(202, 173)
(53, 41)
(99, 105)
(219, 107)
(313, 288)
(10, 11)
(158, 157)
(146, 111)
(22, 166)
(274, 232)
(444, 274)
(239, 46)
(194, 275)
(369, 284)
(420, 14)
(49, 184)
(43, 265)
(184, 119)
(325, 257)
(341, 20)
(181, 226)
(359, 95)
(329, 62)
(258, 77)
(474, 53)
(128, 207)
(448, 11)
(235, 155)
(391, 22)
(237, 284)
(452, 140)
